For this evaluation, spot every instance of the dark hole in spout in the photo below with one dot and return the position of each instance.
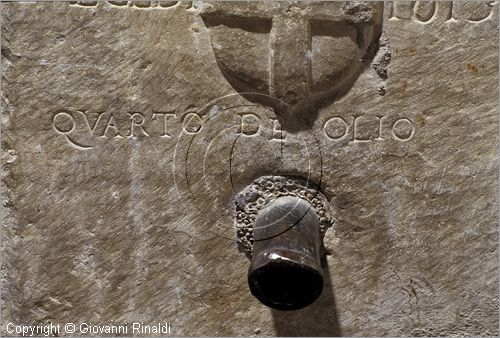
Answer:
(285, 285)
(285, 272)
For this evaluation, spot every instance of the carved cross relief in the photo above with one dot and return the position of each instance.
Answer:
(292, 53)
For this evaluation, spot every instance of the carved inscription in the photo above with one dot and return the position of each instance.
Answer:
(126, 4)
(448, 11)
(117, 126)
(366, 128)
(84, 130)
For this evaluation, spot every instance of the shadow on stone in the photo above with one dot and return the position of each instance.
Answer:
(318, 319)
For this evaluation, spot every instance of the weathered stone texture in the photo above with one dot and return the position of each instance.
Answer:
(121, 219)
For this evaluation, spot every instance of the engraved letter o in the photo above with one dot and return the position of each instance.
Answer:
(403, 130)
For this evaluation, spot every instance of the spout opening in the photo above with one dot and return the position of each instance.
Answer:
(285, 284)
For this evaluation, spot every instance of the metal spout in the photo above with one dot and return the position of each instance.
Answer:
(285, 272)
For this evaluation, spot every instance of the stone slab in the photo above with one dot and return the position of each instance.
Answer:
(126, 136)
